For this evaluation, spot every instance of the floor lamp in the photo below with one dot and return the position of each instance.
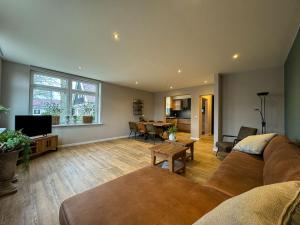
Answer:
(262, 110)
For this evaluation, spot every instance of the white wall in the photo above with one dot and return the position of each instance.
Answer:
(195, 92)
(116, 106)
(239, 100)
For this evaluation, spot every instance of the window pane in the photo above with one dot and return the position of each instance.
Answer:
(50, 81)
(84, 86)
(83, 105)
(47, 102)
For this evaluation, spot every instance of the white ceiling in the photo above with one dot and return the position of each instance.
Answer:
(156, 37)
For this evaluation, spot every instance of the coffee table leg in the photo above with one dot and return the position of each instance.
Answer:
(192, 151)
(153, 158)
(171, 164)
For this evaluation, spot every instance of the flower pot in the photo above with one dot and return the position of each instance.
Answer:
(55, 120)
(172, 137)
(87, 119)
(8, 163)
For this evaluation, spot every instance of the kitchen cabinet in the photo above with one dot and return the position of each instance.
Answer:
(184, 125)
(177, 105)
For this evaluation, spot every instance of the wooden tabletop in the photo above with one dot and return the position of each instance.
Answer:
(158, 124)
(182, 141)
(168, 148)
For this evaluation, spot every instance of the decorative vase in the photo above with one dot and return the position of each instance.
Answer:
(87, 119)
(55, 120)
(8, 163)
(172, 137)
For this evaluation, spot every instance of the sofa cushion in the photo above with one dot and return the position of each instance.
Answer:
(254, 144)
(276, 143)
(239, 172)
(282, 161)
(147, 196)
(265, 205)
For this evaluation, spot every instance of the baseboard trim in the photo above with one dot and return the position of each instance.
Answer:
(90, 142)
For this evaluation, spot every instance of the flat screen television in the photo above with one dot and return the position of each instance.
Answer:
(34, 125)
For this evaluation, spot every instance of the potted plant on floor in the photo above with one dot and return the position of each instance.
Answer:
(11, 144)
(172, 133)
(53, 110)
(89, 111)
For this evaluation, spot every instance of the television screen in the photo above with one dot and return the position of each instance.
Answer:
(34, 125)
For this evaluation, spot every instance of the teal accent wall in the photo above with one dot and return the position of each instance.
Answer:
(292, 91)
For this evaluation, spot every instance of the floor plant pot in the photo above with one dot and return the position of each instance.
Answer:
(8, 163)
(87, 119)
(55, 120)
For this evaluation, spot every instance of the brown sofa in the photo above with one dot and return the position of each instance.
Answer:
(155, 196)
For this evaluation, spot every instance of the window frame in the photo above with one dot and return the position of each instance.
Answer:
(68, 90)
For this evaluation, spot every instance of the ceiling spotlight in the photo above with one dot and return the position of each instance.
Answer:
(116, 36)
(136, 82)
(235, 56)
(205, 82)
(171, 87)
(179, 71)
(79, 67)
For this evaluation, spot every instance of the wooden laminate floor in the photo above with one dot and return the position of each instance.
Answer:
(58, 175)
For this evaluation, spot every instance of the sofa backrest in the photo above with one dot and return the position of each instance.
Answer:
(282, 161)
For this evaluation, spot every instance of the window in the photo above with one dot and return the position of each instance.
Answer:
(70, 97)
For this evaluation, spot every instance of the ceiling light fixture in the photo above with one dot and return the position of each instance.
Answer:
(235, 56)
(179, 71)
(171, 87)
(116, 36)
(205, 82)
(79, 67)
(136, 82)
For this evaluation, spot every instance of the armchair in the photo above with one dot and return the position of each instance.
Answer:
(228, 145)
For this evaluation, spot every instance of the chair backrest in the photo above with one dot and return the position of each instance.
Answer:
(150, 127)
(245, 132)
(141, 127)
(133, 126)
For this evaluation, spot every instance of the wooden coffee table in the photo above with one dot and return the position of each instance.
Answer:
(189, 143)
(169, 152)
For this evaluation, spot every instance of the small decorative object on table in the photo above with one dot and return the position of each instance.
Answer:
(172, 133)
(11, 143)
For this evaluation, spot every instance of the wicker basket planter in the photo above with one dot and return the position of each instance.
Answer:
(87, 119)
(55, 120)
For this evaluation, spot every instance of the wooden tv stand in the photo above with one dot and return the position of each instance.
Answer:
(42, 144)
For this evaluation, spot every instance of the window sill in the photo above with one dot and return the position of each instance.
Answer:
(77, 125)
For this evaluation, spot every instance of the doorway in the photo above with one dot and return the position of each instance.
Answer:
(206, 115)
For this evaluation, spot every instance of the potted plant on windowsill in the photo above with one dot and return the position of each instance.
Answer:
(11, 144)
(89, 111)
(172, 133)
(53, 110)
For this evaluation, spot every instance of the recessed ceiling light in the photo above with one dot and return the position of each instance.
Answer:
(171, 87)
(205, 82)
(136, 82)
(235, 56)
(179, 71)
(116, 36)
(79, 67)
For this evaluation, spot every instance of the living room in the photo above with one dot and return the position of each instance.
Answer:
(149, 112)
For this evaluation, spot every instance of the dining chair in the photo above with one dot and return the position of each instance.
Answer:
(133, 129)
(141, 129)
(151, 131)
